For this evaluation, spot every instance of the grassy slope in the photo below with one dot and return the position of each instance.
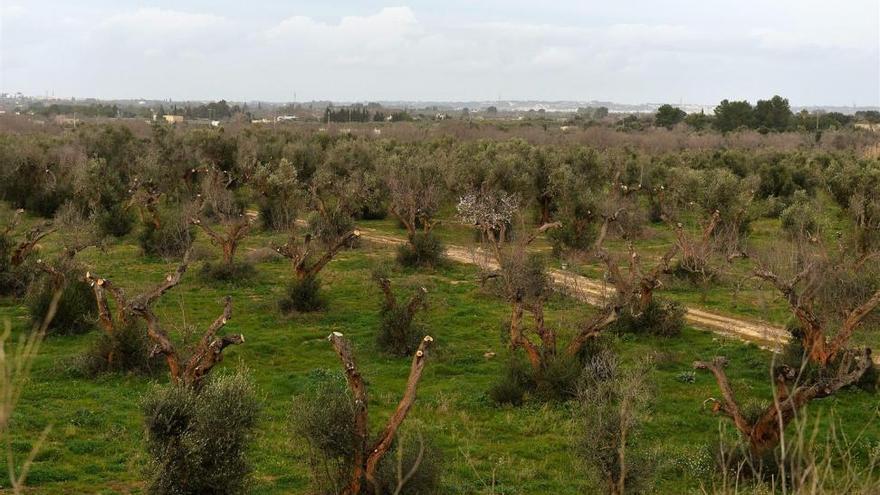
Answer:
(95, 445)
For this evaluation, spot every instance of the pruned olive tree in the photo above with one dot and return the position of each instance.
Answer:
(415, 183)
(188, 368)
(124, 345)
(829, 310)
(279, 193)
(336, 197)
(16, 249)
(368, 453)
(399, 332)
(233, 221)
(524, 280)
(76, 309)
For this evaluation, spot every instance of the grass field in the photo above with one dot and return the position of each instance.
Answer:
(96, 442)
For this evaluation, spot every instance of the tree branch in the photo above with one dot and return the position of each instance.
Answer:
(383, 443)
(728, 405)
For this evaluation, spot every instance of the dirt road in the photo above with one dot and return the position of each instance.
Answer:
(594, 292)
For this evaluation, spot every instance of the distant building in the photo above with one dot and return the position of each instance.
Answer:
(868, 126)
(284, 118)
(174, 119)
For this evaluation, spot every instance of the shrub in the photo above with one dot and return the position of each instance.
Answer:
(262, 255)
(577, 234)
(126, 350)
(660, 318)
(76, 309)
(197, 440)
(558, 380)
(702, 277)
(115, 221)
(324, 417)
(223, 272)
(171, 239)
(801, 218)
(423, 249)
(302, 295)
(613, 404)
(686, 376)
(511, 388)
(398, 333)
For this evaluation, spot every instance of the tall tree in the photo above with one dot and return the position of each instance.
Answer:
(774, 114)
(731, 115)
(667, 116)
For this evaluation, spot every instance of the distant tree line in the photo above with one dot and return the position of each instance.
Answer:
(361, 113)
(765, 116)
(90, 110)
(213, 110)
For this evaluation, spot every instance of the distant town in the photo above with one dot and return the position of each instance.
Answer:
(69, 111)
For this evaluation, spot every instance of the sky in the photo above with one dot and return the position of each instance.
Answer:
(814, 52)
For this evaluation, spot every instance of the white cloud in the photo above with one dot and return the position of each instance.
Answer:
(398, 52)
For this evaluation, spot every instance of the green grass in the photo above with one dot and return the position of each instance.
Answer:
(96, 442)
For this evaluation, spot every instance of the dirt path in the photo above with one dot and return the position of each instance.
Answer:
(595, 292)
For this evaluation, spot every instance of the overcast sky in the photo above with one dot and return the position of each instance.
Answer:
(696, 51)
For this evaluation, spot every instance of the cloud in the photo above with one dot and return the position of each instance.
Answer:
(376, 39)
(451, 51)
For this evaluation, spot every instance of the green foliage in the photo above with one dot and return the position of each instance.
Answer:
(793, 354)
(557, 381)
(278, 188)
(801, 218)
(214, 147)
(197, 441)
(731, 115)
(33, 174)
(101, 188)
(14, 280)
(323, 416)
(854, 185)
(399, 334)
(698, 121)
(302, 295)
(237, 271)
(613, 404)
(114, 221)
(76, 308)
(660, 318)
(327, 228)
(512, 385)
(171, 239)
(526, 277)
(667, 116)
(773, 114)
(422, 250)
(126, 350)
